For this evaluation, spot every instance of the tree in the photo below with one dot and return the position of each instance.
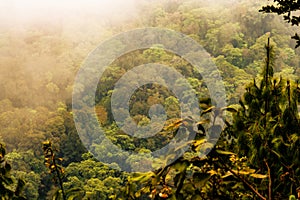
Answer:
(266, 131)
(30, 168)
(257, 156)
(91, 179)
(287, 8)
(7, 189)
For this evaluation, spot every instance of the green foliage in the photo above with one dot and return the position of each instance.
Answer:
(38, 66)
(90, 179)
(8, 189)
(30, 168)
(289, 10)
(192, 176)
(257, 156)
(266, 131)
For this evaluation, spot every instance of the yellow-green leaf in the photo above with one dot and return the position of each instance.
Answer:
(258, 175)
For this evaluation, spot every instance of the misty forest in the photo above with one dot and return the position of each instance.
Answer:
(254, 45)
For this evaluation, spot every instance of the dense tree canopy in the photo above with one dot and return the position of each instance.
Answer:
(257, 156)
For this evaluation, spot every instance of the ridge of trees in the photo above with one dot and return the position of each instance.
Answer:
(49, 60)
(257, 156)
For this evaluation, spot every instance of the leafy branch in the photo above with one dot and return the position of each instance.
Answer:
(51, 164)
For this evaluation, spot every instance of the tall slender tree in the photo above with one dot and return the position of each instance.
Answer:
(267, 131)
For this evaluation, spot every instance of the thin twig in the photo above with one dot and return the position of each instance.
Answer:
(244, 181)
(270, 180)
(248, 184)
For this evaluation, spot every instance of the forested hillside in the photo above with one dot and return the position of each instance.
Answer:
(256, 157)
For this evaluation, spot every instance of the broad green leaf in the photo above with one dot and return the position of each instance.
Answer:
(180, 165)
